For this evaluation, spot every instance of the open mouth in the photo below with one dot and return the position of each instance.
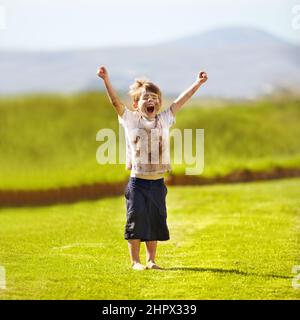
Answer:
(150, 109)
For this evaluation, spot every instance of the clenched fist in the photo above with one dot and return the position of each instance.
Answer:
(202, 77)
(102, 72)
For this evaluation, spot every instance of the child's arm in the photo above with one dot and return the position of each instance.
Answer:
(113, 97)
(185, 96)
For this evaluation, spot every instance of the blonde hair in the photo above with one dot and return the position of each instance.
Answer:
(140, 84)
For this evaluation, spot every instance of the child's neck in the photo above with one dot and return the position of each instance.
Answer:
(149, 119)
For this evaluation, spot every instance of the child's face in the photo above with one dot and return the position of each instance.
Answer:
(149, 104)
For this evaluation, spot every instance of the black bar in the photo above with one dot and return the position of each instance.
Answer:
(133, 309)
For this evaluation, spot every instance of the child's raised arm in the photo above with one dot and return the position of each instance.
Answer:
(113, 97)
(185, 96)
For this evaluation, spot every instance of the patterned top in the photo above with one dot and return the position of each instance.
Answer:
(147, 142)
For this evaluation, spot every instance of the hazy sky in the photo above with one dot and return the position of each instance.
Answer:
(62, 24)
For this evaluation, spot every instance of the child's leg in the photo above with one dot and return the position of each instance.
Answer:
(151, 250)
(134, 250)
(150, 255)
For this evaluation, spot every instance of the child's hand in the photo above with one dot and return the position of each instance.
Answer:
(102, 72)
(202, 77)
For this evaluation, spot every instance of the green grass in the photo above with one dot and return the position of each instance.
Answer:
(227, 242)
(50, 141)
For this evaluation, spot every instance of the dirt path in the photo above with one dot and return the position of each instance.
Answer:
(14, 198)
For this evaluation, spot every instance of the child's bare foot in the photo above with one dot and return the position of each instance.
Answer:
(138, 266)
(153, 265)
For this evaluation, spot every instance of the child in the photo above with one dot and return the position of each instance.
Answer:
(147, 155)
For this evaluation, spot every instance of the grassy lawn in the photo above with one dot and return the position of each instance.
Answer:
(227, 242)
(50, 141)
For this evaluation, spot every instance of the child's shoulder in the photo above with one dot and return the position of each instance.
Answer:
(167, 116)
(128, 116)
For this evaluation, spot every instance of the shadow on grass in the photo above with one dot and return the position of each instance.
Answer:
(225, 271)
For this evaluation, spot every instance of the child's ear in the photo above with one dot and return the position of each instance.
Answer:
(135, 104)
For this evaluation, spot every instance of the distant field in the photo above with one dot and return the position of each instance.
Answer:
(227, 242)
(50, 141)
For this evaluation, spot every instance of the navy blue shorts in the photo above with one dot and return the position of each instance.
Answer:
(146, 212)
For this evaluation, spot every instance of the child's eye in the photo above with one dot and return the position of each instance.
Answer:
(147, 97)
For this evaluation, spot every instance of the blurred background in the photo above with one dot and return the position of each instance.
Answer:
(52, 104)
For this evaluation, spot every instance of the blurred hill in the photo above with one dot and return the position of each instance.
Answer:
(241, 63)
